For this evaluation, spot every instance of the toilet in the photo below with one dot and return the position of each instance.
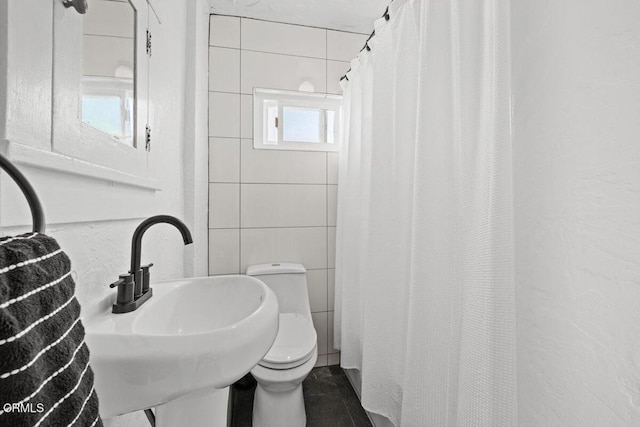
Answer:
(278, 400)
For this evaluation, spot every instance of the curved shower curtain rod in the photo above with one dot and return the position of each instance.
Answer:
(385, 15)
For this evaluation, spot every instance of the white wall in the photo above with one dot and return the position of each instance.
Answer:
(576, 94)
(273, 205)
(100, 250)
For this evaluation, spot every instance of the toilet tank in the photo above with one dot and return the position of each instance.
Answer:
(289, 282)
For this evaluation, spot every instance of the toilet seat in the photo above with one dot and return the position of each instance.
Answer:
(294, 344)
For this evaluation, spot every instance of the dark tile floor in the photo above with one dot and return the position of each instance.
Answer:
(328, 399)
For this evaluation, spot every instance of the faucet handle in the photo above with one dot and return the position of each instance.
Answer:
(125, 279)
(117, 283)
(146, 281)
(125, 289)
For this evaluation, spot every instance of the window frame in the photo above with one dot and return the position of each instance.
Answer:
(297, 100)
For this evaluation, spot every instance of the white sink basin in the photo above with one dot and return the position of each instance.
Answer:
(192, 335)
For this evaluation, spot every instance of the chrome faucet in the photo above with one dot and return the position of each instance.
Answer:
(133, 287)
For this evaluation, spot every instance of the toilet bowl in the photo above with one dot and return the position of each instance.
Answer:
(278, 399)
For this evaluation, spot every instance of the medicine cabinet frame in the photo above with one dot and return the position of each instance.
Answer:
(73, 138)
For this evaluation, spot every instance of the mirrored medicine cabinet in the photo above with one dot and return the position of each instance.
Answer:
(100, 84)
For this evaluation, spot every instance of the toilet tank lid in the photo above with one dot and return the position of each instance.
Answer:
(275, 268)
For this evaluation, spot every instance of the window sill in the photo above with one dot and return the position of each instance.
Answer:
(296, 146)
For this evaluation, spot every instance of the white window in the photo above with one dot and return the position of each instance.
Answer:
(284, 120)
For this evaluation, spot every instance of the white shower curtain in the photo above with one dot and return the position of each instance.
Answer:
(424, 260)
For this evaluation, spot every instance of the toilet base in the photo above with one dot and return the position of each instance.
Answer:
(269, 408)
(278, 399)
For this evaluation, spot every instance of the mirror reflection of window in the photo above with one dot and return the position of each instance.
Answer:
(108, 86)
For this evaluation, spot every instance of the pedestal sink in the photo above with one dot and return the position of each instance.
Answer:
(193, 337)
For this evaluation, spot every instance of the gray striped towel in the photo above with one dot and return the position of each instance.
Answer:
(45, 378)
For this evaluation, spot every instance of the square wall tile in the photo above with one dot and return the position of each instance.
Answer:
(272, 71)
(317, 288)
(331, 247)
(286, 39)
(335, 71)
(224, 160)
(333, 359)
(330, 348)
(332, 168)
(304, 245)
(224, 115)
(224, 205)
(224, 252)
(332, 205)
(343, 46)
(331, 289)
(283, 205)
(320, 324)
(246, 116)
(224, 31)
(224, 69)
(280, 166)
(322, 361)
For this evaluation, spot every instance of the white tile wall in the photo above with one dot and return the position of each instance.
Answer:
(274, 71)
(333, 359)
(279, 166)
(323, 360)
(343, 46)
(332, 168)
(320, 322)
(331, 286)
(332, 204)
(331, 247)
(224, 31)
(283, 205)
(246, 116)
(330, 348)
(304, 245)
(224, 115)
(224, 251)
(317, 287)
(273, 37)
(273, 205)
(224, 69)
(224, 205)
(224, 160)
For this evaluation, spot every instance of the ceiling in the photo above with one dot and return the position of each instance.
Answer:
(345, 15)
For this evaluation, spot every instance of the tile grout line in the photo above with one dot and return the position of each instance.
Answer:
(288, 23)
(326, 62)
(209, 270)
(327, 248)
(266, 52)
(240, 158)
(327, 222)
(281, 54)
